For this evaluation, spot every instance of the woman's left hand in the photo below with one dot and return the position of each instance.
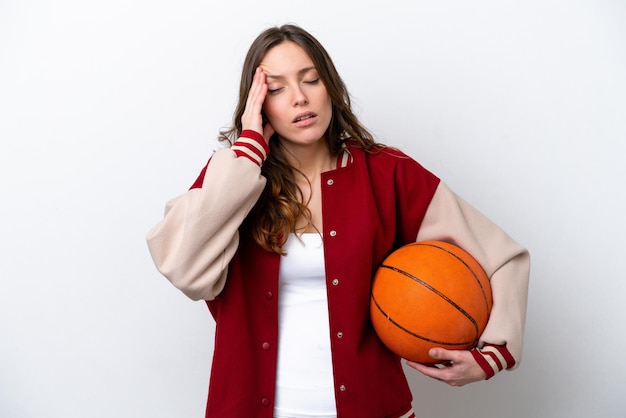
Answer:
(459, 368)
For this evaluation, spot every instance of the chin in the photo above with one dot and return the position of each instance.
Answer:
(303, 138)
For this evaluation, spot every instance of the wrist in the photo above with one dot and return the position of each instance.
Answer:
(251, 145)
(252, 134)
(493, 359)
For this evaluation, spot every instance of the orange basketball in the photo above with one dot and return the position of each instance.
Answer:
(429, 294)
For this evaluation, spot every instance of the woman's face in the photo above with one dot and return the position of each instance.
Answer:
(297, 103)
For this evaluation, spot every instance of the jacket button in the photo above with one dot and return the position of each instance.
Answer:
(329, 182)
(265, 401)
(265, 346)
(342, 388)
(333, 233)
(335, 282)
(269, 295)
(340, 334)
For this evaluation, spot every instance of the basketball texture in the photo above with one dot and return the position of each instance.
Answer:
(429, 294)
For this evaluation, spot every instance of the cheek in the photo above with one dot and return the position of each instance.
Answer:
(328, 107)
(324, 97)
(271, 110)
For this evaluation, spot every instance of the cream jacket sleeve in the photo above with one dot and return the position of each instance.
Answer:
(198, 236)
(449, 218)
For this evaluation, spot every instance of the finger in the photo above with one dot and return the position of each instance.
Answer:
(442, 354)
(427, 370)
(268, 131)
(258, 90)
(251, 117)
(252, 92)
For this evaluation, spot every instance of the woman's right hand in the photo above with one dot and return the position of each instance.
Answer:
(252, 118)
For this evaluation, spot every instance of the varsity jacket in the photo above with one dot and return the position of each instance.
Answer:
(372, 203)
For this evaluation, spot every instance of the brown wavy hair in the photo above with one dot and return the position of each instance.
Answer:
(281, 203)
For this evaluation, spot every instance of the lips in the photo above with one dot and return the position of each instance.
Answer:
(303, 116)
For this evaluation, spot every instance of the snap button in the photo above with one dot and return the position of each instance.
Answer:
(330, 182)
(342, 388)
(265, 346)
(340, 334)
(269, 295)
(333, 233)
(335, 282)
(265, 401)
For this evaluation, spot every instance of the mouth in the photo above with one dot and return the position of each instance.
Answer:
(304, 116)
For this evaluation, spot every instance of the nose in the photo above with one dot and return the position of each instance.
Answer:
(299, 98)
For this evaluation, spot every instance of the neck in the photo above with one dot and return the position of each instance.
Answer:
(310, 159)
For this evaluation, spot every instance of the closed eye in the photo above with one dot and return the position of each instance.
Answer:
(315, 81)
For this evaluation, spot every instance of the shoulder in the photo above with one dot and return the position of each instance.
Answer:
(383, 157)
(388, 168)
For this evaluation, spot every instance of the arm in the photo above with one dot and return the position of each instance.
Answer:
(198, 236)
(507, 264)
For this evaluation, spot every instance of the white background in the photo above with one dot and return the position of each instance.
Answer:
(109, 109)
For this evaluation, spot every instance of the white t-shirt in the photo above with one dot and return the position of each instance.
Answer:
(304, 382)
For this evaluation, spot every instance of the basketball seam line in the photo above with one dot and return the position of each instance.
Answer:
(421, 337)
(437, 292)
(482, 289)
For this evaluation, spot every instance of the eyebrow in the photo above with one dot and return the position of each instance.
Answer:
(300, 72)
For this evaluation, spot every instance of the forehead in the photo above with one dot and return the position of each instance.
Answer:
(285, 59)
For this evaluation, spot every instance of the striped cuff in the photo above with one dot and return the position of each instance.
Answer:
(493, 358)
(251, 145)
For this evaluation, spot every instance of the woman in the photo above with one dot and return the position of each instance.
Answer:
(281, 234)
